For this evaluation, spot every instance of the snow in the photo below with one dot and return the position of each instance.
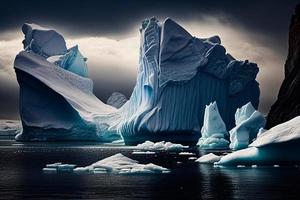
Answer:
(285, 132)
(248, 123)
(280, 144)
(160, 146)
(213, 130)
(178, 75)
(209, 158)
(120, 164)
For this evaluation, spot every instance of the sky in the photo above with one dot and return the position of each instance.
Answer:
(107, 33)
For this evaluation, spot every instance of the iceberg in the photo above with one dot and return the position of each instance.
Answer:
(178, 75)
(160, 146)
(10, 127)
(120, 164)
(213, 131)
(209, 158)
(248, 124)
(279, 145)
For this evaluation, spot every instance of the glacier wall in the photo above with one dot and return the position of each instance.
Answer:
(178, 75)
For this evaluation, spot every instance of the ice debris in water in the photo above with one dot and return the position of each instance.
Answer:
(166, 146)
(209, 158)
(248, 123)
(121, 164)
(186, 154)
(143, 152)
(213, 130)
(59, 167)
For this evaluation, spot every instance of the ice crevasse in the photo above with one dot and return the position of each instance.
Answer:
(178, 75)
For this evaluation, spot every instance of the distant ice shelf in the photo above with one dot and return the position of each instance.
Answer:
(178, 75)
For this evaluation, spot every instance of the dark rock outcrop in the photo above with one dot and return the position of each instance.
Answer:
(287, 105)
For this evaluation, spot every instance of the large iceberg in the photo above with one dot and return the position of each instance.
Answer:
(213, 131)
(248, 124)
(178, 75)
(279, 145)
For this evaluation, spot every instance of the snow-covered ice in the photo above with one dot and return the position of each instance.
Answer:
(209, 158)
(121, 164)
(160, 146)
(143, 152)
(280, 144)
(186, 154)
(213, 131)
(248, 123)
(59, 167)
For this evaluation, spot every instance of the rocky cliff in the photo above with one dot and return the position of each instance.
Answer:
(287, 105)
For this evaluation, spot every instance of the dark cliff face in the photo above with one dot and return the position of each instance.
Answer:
(287, 105)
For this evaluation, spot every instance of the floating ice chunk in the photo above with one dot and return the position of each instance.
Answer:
(45, 42)
(186, 154)
(248, 123)
(59, 167)
(213, 130)
(254, 166)
(192, 158)
(121, 164)
(166, 146)
(143, 152)
(276, 165)
(47, 169)
(240, 166)
(54, 165)
(208, 158)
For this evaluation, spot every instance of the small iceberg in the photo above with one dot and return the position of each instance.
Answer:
(120, 164)
(248, 124)
(213, 130)
(186, 154)
(209, 158)
(59, 167)
(160, 146)
(143, 152)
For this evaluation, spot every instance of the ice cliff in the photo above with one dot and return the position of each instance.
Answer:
(178, 75)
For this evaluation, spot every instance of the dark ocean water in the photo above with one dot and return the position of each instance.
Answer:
(21, 176)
